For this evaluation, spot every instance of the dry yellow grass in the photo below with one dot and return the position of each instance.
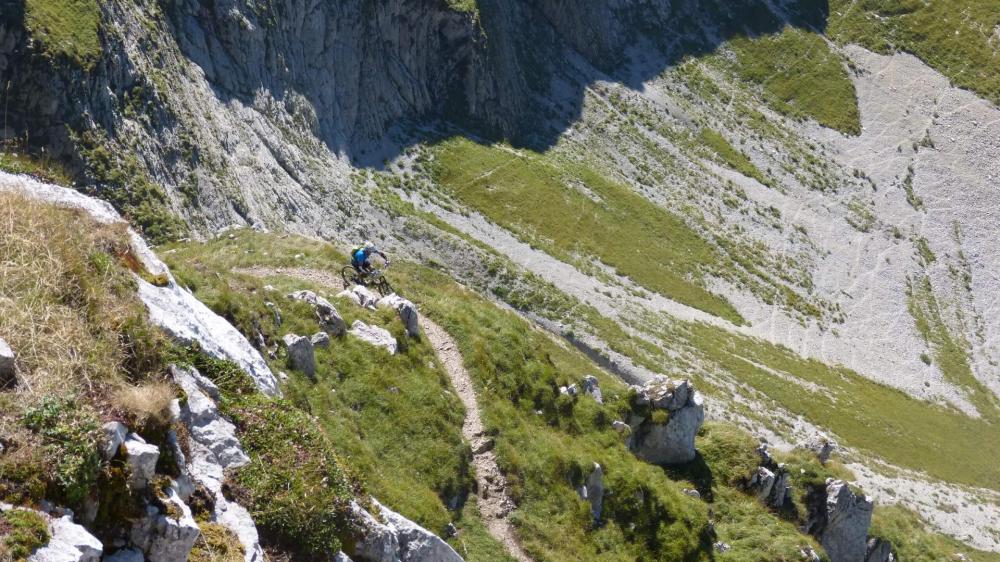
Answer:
(147, 403)
(68, 306)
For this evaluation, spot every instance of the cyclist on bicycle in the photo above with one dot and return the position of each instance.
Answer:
(361, 257)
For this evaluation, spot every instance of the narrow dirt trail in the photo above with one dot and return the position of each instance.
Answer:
(494, 503)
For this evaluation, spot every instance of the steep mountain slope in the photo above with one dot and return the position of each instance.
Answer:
(732, 192)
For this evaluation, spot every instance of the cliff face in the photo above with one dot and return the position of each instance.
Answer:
(248, 111)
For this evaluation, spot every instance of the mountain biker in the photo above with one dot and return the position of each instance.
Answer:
(361, 257)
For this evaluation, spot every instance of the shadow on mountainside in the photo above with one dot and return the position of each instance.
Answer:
(518, 71)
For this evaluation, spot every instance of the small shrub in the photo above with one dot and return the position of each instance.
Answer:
(69, 434)
(22, 532)
(216, 544)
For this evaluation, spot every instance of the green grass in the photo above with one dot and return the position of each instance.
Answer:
(16, 161)
(908, 533)
(801, 77)
(66, 29)
(735, 159)
(545, 441)
(391, 418)
(870, 417)
(464, 6)
(950, 351)
(21, 533)
(535, 196)
(957, 38)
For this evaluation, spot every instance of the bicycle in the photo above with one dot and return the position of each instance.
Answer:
(374, 279)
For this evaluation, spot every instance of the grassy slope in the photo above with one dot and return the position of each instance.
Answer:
(534, 196)
(958, 37)
(516, 370)
(801, 77)
(67, 29)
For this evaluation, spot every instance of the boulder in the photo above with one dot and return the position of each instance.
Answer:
(141, 458)
(397, 540)
(846, 518)
(201, 417)
(671, 442)
(8, 372)
(114, 435)
(762, 482)
(570, 390)
(621, 427)
(374, 335)
(821, 445)
(301, 355)
(879, 550)
(341, 557)
(68, 542)
(169, 536)
(326, 313)
(361, 296)
(320, 339)
(592, 387)
(126, 555)
(592, 490)
(407, 312)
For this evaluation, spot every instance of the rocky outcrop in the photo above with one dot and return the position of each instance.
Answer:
(214, 448)
(8, 375)
(140, 458)
(592, 490)
(822, 446)
(166, 536)
(114, 434)
(879, 550)
(301, 355)
(592, 387)
(329, 319)
(320, 339)
(69, 542)
(840, 519)
(397, 540)
(360, 296)
(407, 312)
(374, 335)
(771, 482)
(665, 433)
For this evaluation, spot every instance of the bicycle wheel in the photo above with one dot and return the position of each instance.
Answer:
(349, 276)
(383, 287)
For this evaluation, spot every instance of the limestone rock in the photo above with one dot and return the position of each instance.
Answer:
(398, 539)
(621, 427)
(846, 519)
(114, 435)
(326, 313)
(570, 390)
(8, 374)
(126, 555)
(361, 296)
(407, 312)
(762, 482)
(341, 557)
(592, 387)
(301, 355)
(374, 335)
(166, 537)
(214, 447)
(821, 445)
(320, 339)
(69, 542)
(592, 490)
(141, 458)
(879, 550)
(671, 442)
